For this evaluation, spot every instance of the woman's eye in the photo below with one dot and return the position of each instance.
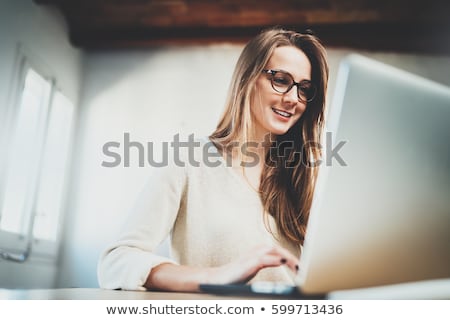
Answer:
(281, 81)
(306, 86)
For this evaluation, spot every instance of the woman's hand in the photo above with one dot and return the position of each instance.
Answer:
(246, 267)
(183, 278)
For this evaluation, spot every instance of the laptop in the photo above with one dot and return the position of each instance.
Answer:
(381, 212)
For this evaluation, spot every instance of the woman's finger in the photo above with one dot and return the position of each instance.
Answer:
(284, 256)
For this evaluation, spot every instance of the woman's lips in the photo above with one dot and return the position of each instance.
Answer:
(282, 113)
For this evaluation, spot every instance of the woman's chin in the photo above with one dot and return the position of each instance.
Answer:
(279, 131)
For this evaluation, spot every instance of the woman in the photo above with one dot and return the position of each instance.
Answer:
(245, 218)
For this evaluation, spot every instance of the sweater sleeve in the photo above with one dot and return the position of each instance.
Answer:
(127, 263)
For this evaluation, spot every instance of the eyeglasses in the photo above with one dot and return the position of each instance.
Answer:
(282, 82)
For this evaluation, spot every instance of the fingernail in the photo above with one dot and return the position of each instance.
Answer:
(283, 260)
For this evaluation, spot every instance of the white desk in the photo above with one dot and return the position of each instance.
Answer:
(431, 289)
(434, 289)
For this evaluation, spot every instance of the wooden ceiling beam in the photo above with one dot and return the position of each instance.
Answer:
(378, 37)
(397, 25)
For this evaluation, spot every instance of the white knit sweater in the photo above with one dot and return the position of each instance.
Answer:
(211, 214)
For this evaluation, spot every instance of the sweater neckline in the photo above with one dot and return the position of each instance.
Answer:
(232, 171)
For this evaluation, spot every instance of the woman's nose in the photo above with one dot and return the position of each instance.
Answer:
(291, 96)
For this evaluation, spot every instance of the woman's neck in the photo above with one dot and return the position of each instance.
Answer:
(259, 143)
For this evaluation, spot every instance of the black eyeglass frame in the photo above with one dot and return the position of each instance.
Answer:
(297, 84)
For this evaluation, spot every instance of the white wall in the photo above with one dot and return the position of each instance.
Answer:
(153, 94)
(42, 32)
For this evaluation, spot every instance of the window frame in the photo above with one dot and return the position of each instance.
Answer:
(16, 242)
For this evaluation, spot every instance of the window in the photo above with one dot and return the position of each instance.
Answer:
(53, 170)
(36, 162)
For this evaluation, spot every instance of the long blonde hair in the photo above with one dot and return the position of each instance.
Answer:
(286, 191)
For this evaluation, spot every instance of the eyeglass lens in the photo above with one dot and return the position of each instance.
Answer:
(282, 82)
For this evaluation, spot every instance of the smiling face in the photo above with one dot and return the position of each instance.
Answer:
(275, 112)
